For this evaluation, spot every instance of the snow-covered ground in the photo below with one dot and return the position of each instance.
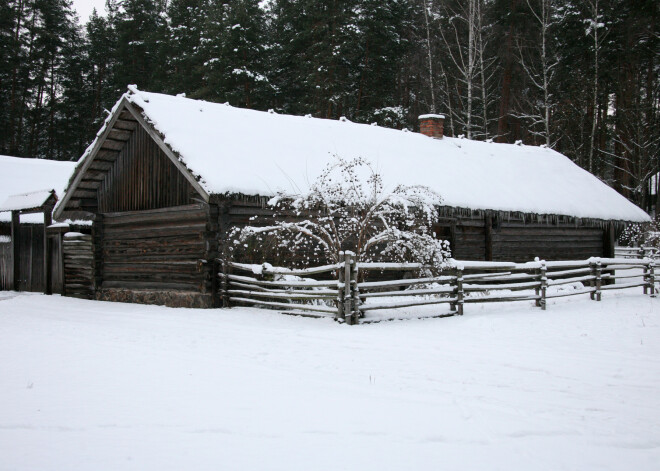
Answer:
(102, 386)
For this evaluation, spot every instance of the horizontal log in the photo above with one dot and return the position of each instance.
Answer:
(576, 271)
(149, 212)
(508, 286)
(367, 266)
(293, 295)
(156, 243)
(89, 184)
(563, 294)
(411, 292)
(198, 279)
(106, 155)
(155, 219)
(79, 193)
(139, 255)
(621, 277)
(149, 285)
(125, 124)
(126, 115)
(118, 134)
(297, 284)
(197, 231)
(624, 285)
(413, 281)
(112, 144)
(565, 281)
(500, 299)
(252, 287)
(303, 307)
(285, 271)
(398, 305)
(625, 267)
(100, 165)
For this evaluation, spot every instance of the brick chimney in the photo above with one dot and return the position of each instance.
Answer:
(432, 125)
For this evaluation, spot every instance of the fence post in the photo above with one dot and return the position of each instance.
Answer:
(652, 277)
(224, 285)
(646, 278)
(544, 285)
(537, 291)
(348, 311)
(452, 306)
(340, 289)
(599, 279)
(355, 291)
(459, 290)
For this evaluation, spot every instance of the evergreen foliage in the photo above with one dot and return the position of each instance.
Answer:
(582, 79)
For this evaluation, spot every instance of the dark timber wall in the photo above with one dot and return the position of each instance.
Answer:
(157, 256)
(6, 266)
(142, 177)
(517, 242)
(486, 238)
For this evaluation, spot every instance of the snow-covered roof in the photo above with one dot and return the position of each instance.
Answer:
(234, 150)
(23, 180)
(24, 201)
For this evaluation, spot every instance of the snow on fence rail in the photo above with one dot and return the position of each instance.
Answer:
(637, 252)
(338, 292)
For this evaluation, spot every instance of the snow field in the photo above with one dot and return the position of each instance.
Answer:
(106, 386)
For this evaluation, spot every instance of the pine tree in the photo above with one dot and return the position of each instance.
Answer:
(234, 48)
(183, 49)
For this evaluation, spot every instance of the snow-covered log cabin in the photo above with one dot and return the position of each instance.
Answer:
(28, 192)
(167, 176)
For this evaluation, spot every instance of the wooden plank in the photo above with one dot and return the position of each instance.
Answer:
(111, 144)
(168, 152)
(148, 212)
(306, 284)
(107, 156)
(292, 295)
(303, 307)
(125, 124)
(79, 193)
(397, 305)
(119, 135)
(411, 292)
(152, 285)
(500, 299)
(394, 283)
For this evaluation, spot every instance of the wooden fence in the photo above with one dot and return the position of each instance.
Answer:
(343, 291)
(637, 252)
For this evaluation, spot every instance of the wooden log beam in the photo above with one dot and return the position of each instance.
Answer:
(15, 248)
(48, 220)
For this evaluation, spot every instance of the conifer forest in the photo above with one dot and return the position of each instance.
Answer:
(580, 76)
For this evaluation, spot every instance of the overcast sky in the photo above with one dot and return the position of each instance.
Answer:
(85, 7)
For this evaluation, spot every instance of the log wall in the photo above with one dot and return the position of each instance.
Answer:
(142, 177)
(6, 266)
(157, 256)
(517, 242)
(78, 254)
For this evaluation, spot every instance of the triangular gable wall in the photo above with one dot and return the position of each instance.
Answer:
(129, 167)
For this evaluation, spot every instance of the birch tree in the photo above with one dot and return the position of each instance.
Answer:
(540, 73)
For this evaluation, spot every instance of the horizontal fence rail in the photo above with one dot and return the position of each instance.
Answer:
(344, 291)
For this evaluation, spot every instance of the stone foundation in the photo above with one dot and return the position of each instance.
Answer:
(161, 298)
